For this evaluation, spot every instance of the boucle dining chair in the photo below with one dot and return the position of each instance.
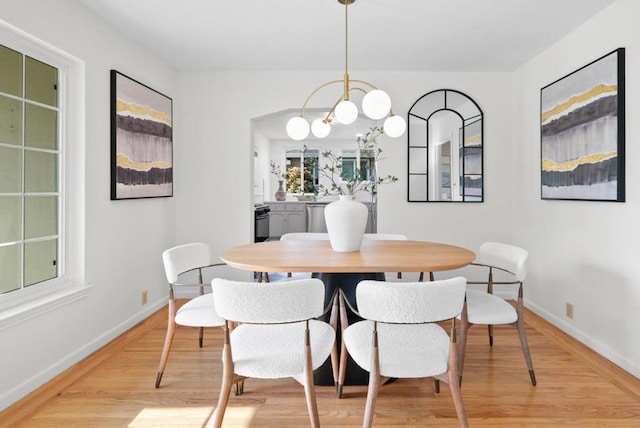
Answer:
(197, 312)
(293, 236)
(396, 237)
(276, 335)
(400, 336)
(303, 236)
(484, 307)
(387, 237)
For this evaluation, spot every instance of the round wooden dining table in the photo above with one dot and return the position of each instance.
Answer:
(346, 270)
(374, 256)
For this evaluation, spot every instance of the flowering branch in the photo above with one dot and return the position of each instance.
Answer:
(341, 185)
(275, 170)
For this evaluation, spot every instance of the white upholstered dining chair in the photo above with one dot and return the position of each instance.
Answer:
(387, 237)
(293, 236)
(484, 307)
(197, 312)
(277, 335)
(303, 236)
(400, 337)
(395, 237)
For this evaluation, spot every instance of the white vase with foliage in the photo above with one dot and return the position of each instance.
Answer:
(346, 218)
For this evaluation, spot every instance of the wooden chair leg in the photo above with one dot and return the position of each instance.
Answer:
(171, 328)
(223, 400)
(344, 322)
(525, 349)
(374, 384)
(335, 358)
(421, 278)
(454, 386)
(462, 343)
(342, 369)
(227, 383)
(309, 388)
(490, 331)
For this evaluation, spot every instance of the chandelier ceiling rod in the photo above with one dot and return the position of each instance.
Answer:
(346, 50)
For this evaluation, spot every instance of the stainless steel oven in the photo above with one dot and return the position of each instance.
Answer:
(261, 225)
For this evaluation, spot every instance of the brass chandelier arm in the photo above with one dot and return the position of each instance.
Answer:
(327, 118)
(364, 82)
(391, 113)
(347, 90)
(324, 85)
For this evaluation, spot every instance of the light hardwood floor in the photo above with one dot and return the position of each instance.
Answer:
(115, 388)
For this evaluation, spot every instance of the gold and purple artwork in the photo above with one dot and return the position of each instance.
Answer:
(141, 140)
(582, 133)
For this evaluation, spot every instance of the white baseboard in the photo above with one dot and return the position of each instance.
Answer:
(45, 375)
(602, 349)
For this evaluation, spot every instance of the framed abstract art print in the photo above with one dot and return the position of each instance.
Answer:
(582, 133)
(141, 140)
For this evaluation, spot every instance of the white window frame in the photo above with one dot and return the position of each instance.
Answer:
(358, 159)
(32, 301)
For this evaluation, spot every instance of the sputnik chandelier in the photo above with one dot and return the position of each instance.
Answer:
(376, 104)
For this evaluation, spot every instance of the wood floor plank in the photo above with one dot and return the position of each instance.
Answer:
(115, 388)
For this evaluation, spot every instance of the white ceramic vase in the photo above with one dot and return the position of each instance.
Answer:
(346, 221)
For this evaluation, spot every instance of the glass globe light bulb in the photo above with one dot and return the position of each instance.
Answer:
(394, 126)
(297, 128)
(376, 104)
(346, 112)
(320, 128)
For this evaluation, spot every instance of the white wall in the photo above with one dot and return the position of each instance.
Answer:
(216, 171)
(585, 253)
(124, 239)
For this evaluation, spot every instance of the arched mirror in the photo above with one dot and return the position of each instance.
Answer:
(445, 136)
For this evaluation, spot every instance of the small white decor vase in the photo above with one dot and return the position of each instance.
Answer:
(346, 221)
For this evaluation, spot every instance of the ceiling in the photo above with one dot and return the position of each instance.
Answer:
(385, 35)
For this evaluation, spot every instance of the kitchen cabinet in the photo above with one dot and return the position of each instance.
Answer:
(295, 217)
(316, 223)
(286, 217)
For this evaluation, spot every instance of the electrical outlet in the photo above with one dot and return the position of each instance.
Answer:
(143, 297)
(569, 310)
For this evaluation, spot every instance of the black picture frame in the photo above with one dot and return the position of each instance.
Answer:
(141, 140)
(582, 133)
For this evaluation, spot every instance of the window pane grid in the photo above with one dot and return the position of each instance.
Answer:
(34, 203)
(357, 162)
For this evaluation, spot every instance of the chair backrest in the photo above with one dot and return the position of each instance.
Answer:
(302, 236)
(183, 258)
(504, 256)
(411, 302)
(385, 236)
(266, 303)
